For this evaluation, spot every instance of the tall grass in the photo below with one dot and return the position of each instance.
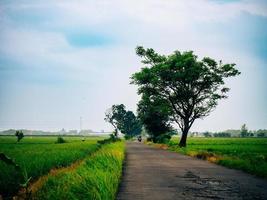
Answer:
(247, 154)
(97, 177)
(37, 156)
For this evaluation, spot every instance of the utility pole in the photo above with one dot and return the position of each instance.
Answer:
(80, 125)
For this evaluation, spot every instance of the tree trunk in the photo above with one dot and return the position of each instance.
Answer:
(183, 138)
(116, 133)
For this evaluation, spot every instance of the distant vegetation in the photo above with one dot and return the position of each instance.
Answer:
(243, 132)
(56, 133)
(19, 135)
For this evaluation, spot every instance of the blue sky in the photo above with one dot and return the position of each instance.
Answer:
(60, 60)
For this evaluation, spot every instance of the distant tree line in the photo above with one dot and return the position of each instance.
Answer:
(243, 132)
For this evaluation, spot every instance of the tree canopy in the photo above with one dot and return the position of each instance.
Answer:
(191, 87)
(154, 113)
(123, 120)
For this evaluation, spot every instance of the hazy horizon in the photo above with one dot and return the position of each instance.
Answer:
(60, 61)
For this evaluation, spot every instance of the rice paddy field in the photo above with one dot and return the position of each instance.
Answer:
(43, 157)
(247, 154)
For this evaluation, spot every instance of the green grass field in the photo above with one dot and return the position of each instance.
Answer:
(38, 155)
(247, 154)
(97, 177)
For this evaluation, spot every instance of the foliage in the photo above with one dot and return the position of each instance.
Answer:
(97, 177)
(60, 140)
(163, 138)
(244, 131)
(115, 115)
(207, 134)
(19, 135)
(191, 87)
(154, 114)
(261, 133)
(222, 134)
(248, 154)
(37, 156)
(112, 138)
(123, 120)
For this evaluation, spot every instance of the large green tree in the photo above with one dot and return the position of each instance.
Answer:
(192, 87)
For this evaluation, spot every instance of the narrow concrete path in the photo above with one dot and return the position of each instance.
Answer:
(156, 174)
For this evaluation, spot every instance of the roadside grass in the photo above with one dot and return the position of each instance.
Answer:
(37, 156)
(247, 154)
(97, 177)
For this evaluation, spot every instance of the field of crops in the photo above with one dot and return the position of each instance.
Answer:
(247, 154)
(97, 177)
(36, 156)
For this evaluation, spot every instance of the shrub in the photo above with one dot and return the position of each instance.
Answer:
(112, 138)
(19, 135)
(60, 140)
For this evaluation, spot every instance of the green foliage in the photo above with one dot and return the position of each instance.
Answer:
(60, 140)
(112, 138)
(222, 134)
(244, 131)
(37, 156)
(123, 120)
(163, 138)
(247, 154)
(96, 178)
(115, 115)
(191, 87)
(261, 133)
(19, 135)
(207, 134)
(154, 113)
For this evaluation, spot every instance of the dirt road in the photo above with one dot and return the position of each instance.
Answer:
(151, 173)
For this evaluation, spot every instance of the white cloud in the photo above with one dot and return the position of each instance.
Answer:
(163, 25)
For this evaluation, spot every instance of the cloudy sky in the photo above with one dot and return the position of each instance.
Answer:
(60, 60)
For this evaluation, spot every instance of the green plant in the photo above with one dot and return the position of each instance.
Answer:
(19, 135)
(96, 178)
(191, 87)
(38, 155)
(60, 140)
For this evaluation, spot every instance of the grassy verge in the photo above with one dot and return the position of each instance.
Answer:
(97, 177)
(247, 154)
(37, 156)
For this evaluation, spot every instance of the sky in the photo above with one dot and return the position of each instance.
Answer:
(62, 60)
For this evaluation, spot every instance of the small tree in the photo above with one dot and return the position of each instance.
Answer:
(123, 120)
(115, 116)
(19, 135)
(244, 131)
(191, 87)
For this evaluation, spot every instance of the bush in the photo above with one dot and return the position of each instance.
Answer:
(60, 140)
(19, 135)
(222, 134)
(112, 138)
(163, 138)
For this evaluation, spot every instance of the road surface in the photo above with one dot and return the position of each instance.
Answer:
(156, 174)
